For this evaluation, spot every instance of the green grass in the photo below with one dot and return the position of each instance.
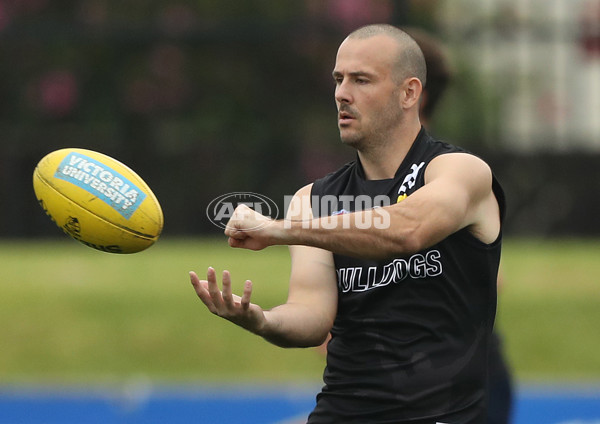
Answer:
(549, 309)
(70, 314)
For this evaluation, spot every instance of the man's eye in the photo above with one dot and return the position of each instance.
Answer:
(361, 81)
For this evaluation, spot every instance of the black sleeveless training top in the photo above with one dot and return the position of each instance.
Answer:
(410, 340)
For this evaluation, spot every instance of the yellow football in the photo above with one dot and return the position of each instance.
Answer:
(97, 200)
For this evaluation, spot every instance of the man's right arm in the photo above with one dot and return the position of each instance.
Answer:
(308, 314)
(307, 317)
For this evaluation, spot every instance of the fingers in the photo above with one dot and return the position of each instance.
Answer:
(201, 290)
(233, 242)
(243, 220)
(233, 232)
(226, 294)
(245, 300)
(213, 288)
(222, 303)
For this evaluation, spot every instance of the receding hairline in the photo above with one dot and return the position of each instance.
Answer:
(410, 61)
(377, 29)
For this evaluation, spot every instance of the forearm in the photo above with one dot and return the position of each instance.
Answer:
(368, 234)
(294, 325)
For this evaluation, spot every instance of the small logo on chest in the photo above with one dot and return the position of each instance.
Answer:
(409, 181)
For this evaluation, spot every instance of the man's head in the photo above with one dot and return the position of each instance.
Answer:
(379, 73)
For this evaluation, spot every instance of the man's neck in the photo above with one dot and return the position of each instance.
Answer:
(381, 161)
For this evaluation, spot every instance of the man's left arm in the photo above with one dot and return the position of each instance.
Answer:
(457, 194)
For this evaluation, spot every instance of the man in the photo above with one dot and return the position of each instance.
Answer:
(406, 287)
(439, 75)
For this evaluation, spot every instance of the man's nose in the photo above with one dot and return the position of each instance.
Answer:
(342, 93)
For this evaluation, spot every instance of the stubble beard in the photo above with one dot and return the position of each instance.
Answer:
(377, 133)
(354, 140)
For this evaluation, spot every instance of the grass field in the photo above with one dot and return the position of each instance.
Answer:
(70, 314)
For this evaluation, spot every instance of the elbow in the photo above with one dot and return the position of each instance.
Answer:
(314, 340)
(309, 334)
(321, 334)
(321, 339)
(318, 336)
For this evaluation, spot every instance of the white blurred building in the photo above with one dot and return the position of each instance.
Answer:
(542, 59)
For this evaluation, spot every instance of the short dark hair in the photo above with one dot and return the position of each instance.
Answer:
(410, 61)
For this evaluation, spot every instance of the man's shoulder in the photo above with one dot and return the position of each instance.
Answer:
(437, 146)
(338, 176)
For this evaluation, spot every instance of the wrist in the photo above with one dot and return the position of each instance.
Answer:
(278, 232)
(290, 232)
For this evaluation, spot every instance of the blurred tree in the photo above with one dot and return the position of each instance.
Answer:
(200, 97)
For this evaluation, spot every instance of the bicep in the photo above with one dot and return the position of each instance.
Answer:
(455, 187)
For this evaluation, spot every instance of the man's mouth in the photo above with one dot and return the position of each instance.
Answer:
(344, 118)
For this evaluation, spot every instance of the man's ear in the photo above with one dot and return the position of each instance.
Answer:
(411, 90)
